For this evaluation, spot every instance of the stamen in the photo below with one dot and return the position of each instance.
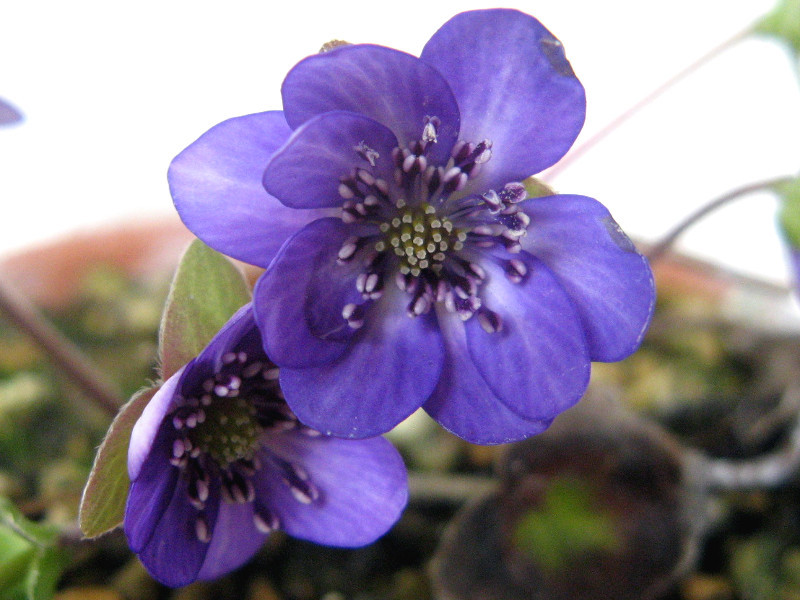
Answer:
(264, 520)
(489, 320)
(201, 529)
(367, 153)
(354, 315)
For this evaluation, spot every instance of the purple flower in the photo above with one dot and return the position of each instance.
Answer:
(421, 274)
(217, 461)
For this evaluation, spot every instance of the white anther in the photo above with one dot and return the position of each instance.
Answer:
(482, 230)
(429, 133)
(201, 529)
(178, 448)
(478, 270)
(252, 370)
(371, 282)
(221, 391)
(420, 306)
(348, 249)
(451, 174)
(366, 177)
(489, 321)
(271, 374)
(263, 525)
(345, 191)
(202, 490)
(228, 358)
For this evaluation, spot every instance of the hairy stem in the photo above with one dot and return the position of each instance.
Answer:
(666, 242)
(62, 352)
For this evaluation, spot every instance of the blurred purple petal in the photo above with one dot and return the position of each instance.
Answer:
(9, 115)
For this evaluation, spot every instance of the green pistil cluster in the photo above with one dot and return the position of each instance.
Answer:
(420, 238)
(229, 432)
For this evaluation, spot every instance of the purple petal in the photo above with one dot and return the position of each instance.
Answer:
(239, 333)
(390, 86)
(463, 404)
(148, 499)
(148, 425)
(389, 369)
(538, 364)
(514, 86)
(305, 173)
(361, 483)
(794, 263)
(234, 541)
(302, 328)
(610, 284)
(216, 186)
(174, 554)
(9, 114)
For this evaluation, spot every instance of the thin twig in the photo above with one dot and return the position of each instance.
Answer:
(66, 356)
(765, 472)
(669, 239)
(450, 489)
(578, 151)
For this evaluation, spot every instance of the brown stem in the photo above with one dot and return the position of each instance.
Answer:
(578, 151)
(666, 242)
(59, 349)
(764, 472)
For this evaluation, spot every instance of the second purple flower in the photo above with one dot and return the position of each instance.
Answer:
(407, 265)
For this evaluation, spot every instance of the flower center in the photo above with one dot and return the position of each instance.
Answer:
(430, 236)
(219, 431)
(420, 238)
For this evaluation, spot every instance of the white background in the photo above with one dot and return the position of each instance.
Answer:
(112, 90)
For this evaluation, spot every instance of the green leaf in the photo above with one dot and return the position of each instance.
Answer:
(103, 502)
(784, 23)
(207, 289)
(44, 573)
(569, 521)
(30, 559)
(789, 214)
(537, 188)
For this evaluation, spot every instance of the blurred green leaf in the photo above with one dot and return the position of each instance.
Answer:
(207, 289)
(789, 215)
(569, 521)
(103, 502)
(30, 559)
(784, 23)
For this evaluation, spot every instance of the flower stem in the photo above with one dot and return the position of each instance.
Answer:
(666, 242)
(578, 151)
(62, 352)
